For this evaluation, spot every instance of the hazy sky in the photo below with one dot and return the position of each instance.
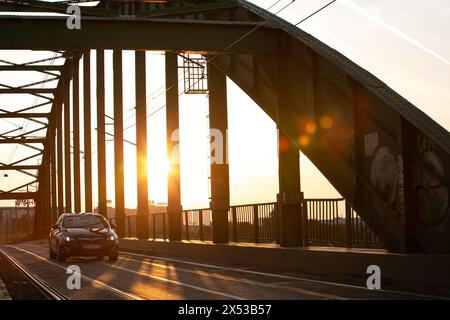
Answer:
(404, 42)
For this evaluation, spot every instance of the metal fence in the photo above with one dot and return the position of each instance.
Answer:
(197, 224)
(361, 235)
(323, 222)
(16, 224)
(333, 222)
(253, 223)
(158, 225)
(330, 222)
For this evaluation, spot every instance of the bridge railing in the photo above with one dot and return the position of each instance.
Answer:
(253, 223)
(197, 224)
(16, 225)
(158, 225)
(333, 222)
(329, 222)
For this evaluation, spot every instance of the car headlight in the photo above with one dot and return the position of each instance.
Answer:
(112, 238)
(67, 238)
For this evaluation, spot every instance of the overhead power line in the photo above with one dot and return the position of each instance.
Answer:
(316, 12)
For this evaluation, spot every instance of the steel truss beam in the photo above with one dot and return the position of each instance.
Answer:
(87, 130)
(4, 136)
(27, 133)
(18, 195)
(101, 145)
(102, 33)
(26, 90)
(118, 144)
(76, 135)
(28, 108)
(23, 140)
(189, 9)
(24, 115)
(46, 178)
(141, 146)
(21, 171)
(25, 159)
(20, 167)
(19, 187)
(30, 68)
(44, 6)
(22, 111)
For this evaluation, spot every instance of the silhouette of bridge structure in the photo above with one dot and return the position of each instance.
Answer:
(388, 159)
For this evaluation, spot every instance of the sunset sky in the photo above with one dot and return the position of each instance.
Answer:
(403, 42)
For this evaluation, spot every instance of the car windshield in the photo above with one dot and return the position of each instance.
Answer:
(84, 221)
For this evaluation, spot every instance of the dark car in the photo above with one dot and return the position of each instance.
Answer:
(82, 235)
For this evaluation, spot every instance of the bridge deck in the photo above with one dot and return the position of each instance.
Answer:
(4, 294)
(410, 271)
(137, 276)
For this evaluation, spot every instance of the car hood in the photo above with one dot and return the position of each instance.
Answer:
(86, 233)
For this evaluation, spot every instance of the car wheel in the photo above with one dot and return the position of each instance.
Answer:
(59, 255)
(99, 258)
(113, 257)
(51, 254)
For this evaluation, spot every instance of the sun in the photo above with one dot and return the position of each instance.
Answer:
(166, 166)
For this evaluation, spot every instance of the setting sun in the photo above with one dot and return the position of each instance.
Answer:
(251, 151)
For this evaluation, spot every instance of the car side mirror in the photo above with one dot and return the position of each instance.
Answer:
(113, 226)
(55, 226)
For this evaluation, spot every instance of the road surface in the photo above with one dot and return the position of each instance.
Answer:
(136, 276)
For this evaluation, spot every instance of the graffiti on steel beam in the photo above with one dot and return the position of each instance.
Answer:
(383, 171)
(432, 195)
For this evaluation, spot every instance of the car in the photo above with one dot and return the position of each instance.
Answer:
(83, 235)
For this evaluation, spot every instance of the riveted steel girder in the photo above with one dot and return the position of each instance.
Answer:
(134, 33)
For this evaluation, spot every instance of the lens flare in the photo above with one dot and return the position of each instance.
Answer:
(283, 144)
(326, 122)
(304, 140)
(310, 127)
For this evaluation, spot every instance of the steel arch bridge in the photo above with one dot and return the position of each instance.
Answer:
(383, 155)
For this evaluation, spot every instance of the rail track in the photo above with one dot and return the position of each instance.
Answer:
(47, 291)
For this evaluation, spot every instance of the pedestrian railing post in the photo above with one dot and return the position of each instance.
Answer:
(348, 224)
(277, 221)
(186, 222)
(255, 224)
(164, 225)
(305, 223)
(200, 224)
(233, 213)
(154, 226)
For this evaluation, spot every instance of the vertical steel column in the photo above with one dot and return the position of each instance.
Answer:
(118, 144)
(218, 121)
(101, 146)
(43, 202)
(59, 155)
(174, 208)
(141, 146)
(87, 130)
(53, 173)
(67, 143)
(47, 209)
(37, 218)
(76, 135)
(289, 197)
